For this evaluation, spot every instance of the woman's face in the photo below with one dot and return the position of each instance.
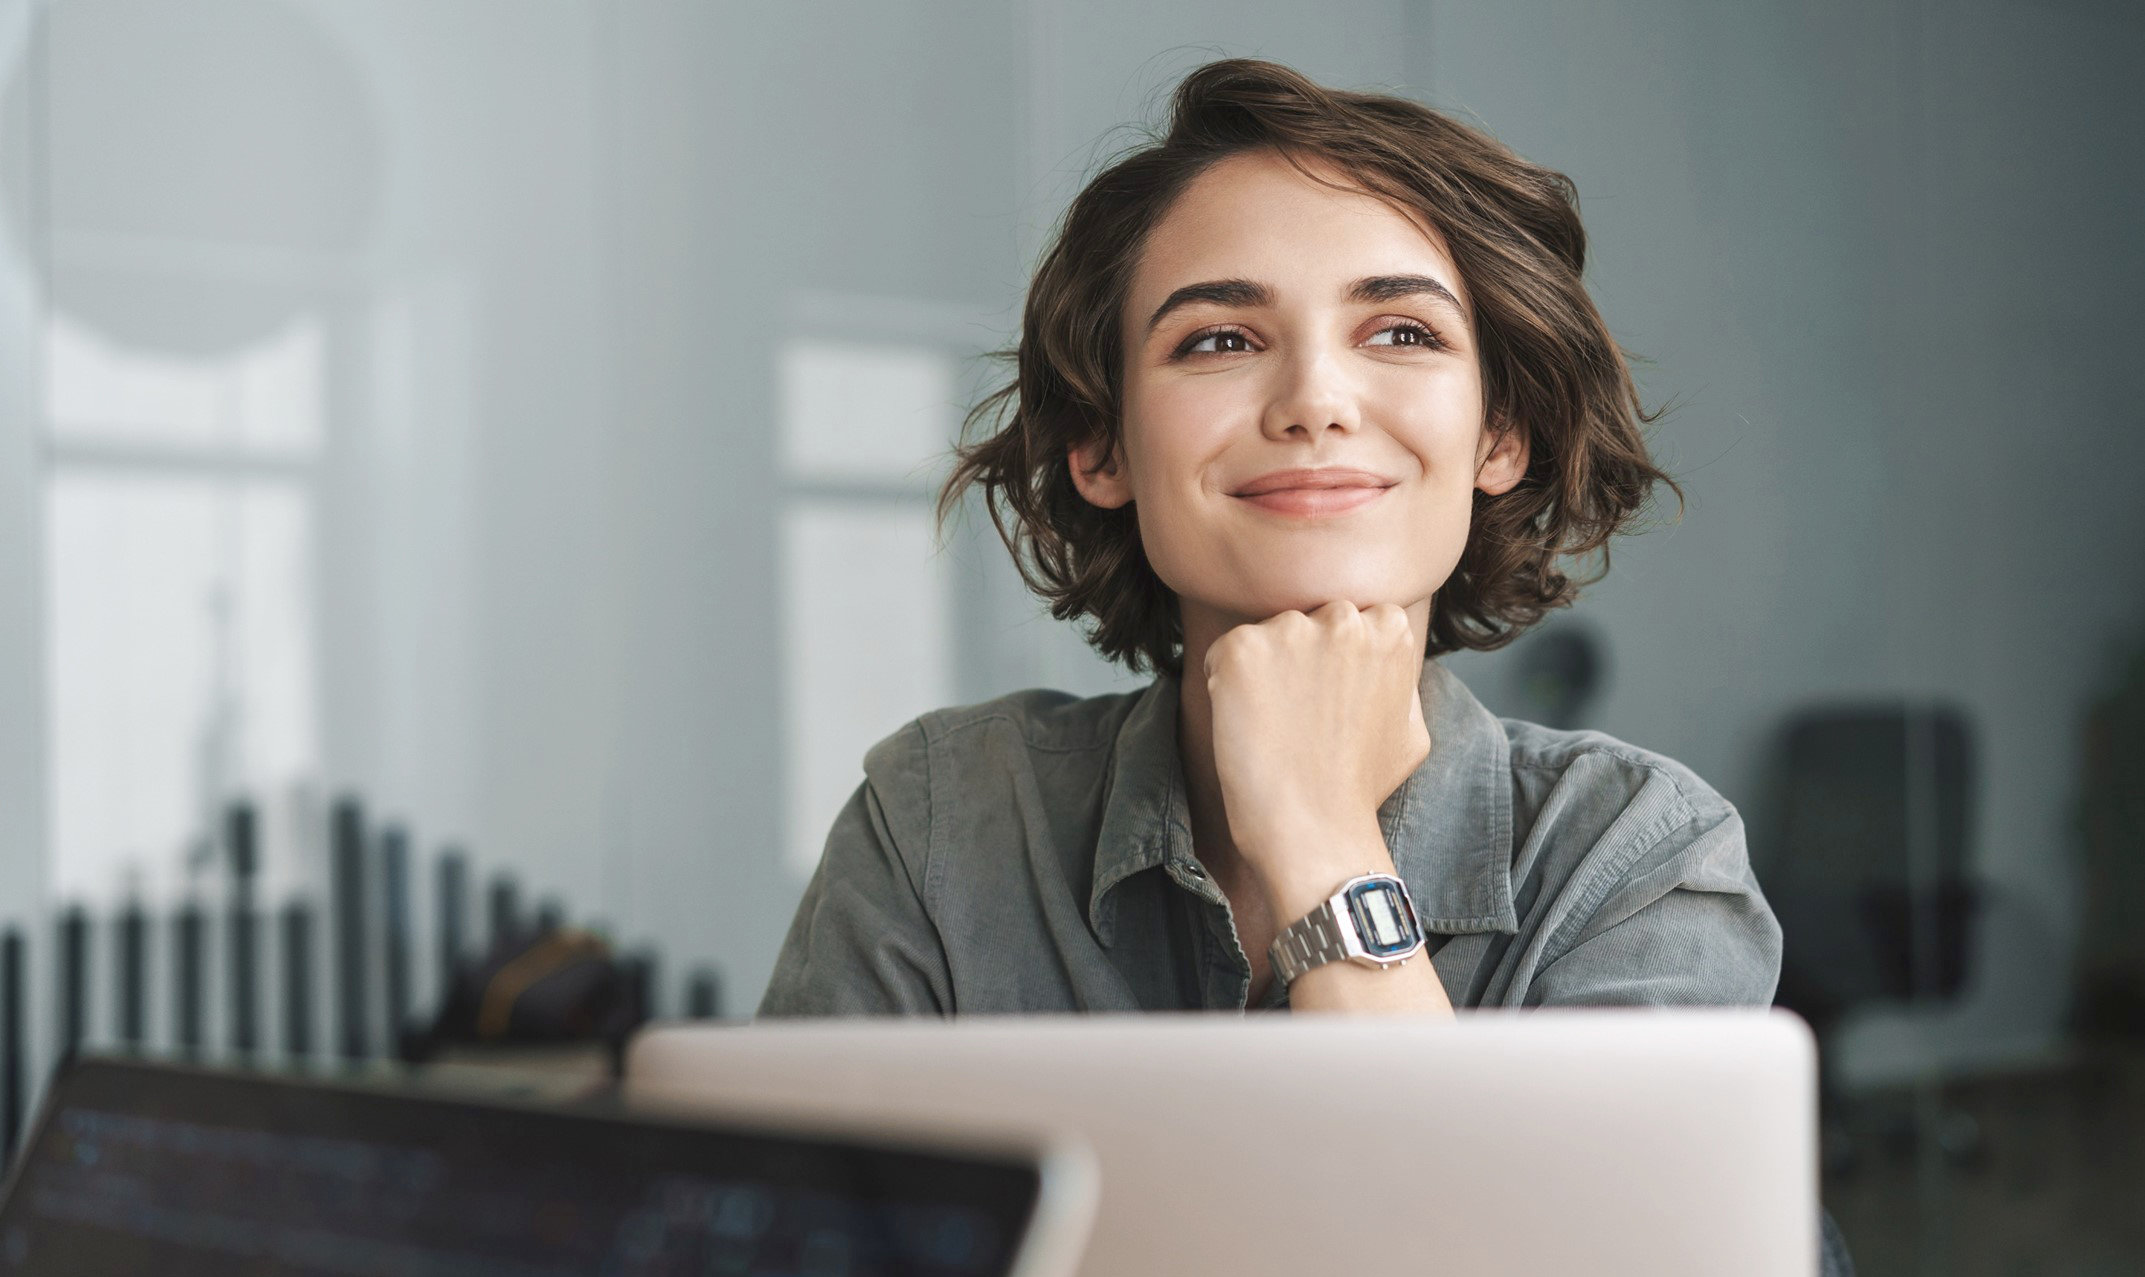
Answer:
(1275, 324)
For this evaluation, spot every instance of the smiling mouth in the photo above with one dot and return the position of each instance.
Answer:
(1316, 502)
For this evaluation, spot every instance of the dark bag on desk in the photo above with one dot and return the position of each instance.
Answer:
(561, 984)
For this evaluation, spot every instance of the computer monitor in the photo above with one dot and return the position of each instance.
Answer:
(1670, 1143)
(138, 1168)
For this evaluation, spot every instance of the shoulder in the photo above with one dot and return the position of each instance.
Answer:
(962, 748)
(1033, 720)
(1614, 810)
(1637, 881)
(967, 782)
(1597, 761)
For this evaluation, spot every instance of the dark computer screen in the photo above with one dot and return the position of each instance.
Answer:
(144, 1168)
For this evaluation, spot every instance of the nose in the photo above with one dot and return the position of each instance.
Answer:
(1313, 394)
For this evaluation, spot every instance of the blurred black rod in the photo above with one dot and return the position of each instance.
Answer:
(74, 971)
(453, 908)
(189, 948)
(13, 1068)
(703, 995)
(349, 854)
(505, 911)
(240, 830)
(131, 942)
(298, 980)
(651, 977)
(395, 912)
(637, 972)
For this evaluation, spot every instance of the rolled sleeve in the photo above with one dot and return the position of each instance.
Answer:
(863, 941)
(1685, 925)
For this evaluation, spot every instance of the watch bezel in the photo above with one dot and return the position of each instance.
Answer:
(1348, 920)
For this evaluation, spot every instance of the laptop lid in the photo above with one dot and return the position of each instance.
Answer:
(1603, 1141)
(149, 1168)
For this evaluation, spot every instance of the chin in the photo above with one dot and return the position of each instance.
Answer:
(1309, 591)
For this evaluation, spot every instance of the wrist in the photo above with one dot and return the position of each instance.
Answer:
(1368, 922)
(1301, 867)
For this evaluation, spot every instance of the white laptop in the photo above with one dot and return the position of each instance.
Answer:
(1670, 1143)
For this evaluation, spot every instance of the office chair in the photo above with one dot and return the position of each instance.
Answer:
(1866, 867)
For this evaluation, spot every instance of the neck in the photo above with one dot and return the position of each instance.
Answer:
(1203, 626)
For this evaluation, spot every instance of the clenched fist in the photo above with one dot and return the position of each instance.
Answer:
(1316, 722)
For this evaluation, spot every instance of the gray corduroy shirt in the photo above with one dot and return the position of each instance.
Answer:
(1034, 853)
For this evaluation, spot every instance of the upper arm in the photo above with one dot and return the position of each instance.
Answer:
(863, 941)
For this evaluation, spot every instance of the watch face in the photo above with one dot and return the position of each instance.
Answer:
(1382, 917)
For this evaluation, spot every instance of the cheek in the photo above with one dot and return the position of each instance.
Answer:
(1446, 512)
(1190, 414)
(1442, 430)
(1445, 526)
(1439, 419)
(1172, 432)
(1166, 547)
(1166, 505)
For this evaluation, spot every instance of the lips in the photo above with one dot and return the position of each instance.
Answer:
(1299, 480)
(1314, 493)
(1315, 502)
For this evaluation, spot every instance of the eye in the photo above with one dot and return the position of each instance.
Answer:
(1413, 333)
(1198, 343)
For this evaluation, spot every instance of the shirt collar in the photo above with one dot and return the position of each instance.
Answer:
(1449, 825)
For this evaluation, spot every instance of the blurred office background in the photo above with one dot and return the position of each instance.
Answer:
(525, 416)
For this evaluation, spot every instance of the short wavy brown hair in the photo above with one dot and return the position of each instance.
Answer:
(1548, 363)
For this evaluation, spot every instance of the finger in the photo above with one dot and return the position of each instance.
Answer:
(1393, 628)
(1219, 650)
(1405, 628)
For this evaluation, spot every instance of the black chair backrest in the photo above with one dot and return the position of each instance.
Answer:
(1869, 848)
(1868, 789)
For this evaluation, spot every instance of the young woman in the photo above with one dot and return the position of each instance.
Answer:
(1308, 392)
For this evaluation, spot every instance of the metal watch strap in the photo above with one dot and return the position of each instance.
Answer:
(1311, 941)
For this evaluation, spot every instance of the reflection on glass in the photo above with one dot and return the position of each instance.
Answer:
(853, 410)
(267, 398)
(866, 648)
(866, 599)
(179, 576)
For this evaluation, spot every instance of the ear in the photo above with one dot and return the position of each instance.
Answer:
(1101, 478)
(1503, 462)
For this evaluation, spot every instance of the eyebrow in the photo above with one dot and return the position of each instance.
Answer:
(1250, 292)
